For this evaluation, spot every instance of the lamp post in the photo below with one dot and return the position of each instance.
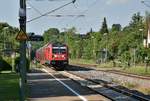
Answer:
(13, 61)
(4, 29)
(106, 47)
(141, 30)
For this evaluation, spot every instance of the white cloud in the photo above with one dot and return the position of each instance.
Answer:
(110, 2)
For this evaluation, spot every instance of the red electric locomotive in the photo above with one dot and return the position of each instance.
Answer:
(54, 54)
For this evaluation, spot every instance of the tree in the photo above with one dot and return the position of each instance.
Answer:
(51, 35)
(2, 25)
(126, 57)
(104, 28)
(136, 21)
(116, 27)
(7, 36)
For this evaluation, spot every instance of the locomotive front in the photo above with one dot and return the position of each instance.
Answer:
(59, 55)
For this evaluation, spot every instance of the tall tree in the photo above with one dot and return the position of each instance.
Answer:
(136, 21)
(104, 28)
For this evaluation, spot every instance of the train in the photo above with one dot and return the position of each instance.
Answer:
(54, 55)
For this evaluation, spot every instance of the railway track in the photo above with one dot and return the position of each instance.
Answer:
(127, 74)
(113, 71)
(108, 89)
(112, 91)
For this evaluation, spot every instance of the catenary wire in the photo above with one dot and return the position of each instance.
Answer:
(51, 11)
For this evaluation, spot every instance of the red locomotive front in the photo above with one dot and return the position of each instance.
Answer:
(54, 54)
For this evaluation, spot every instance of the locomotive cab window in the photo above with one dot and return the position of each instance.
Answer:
(63, 51)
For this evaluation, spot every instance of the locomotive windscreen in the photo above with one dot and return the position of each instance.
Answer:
(59, 50)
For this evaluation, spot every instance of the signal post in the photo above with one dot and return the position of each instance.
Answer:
(22, 37)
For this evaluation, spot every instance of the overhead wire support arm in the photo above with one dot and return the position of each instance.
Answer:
(58, 15)
(51, 11)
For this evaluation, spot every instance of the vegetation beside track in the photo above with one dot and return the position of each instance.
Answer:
(139, 70)
(9, 87)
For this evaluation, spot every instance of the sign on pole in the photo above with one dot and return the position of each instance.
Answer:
(21, 36)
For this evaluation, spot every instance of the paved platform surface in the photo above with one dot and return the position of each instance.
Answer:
(56, 87)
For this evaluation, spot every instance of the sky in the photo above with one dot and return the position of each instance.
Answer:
(115, 11)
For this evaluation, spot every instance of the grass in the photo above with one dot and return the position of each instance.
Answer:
(144, 90)
(138, 70)
(81, 61)
(9, 87)
(130, 85)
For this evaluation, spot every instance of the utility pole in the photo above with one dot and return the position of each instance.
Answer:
(22, 65)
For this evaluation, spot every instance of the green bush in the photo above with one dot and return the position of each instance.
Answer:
(17, 60)
(4, 65)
